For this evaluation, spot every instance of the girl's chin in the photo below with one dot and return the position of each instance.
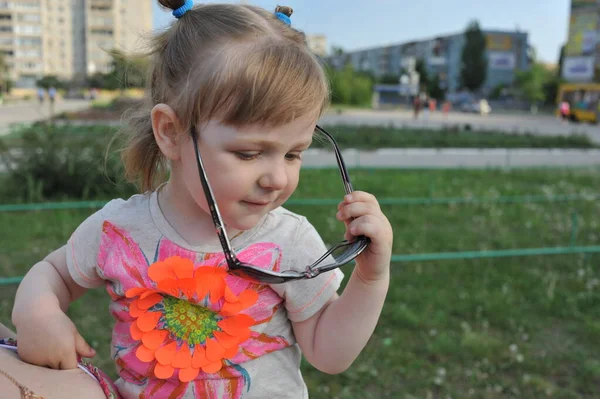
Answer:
(242, 224)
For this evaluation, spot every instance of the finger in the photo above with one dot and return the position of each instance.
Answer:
(347, 235)
(360, 196)
(68, 362)
(357, 209)
(83, 348)
(368, 226)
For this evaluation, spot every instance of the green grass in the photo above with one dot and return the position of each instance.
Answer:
(489, 328)
(374, 137)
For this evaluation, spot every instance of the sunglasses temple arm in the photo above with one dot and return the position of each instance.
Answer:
(340, 160)
(214, 210)
(325, 255)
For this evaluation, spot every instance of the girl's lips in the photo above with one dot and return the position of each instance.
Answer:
(256, 204)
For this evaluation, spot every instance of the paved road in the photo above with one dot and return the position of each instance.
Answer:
(27, 112)
(521, 123)
(517, 123)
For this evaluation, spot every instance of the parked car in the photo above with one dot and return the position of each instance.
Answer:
(481, 107)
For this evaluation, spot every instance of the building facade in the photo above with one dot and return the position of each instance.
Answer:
(317, 44)
(507, 53)
(581, 60)
(68, 38)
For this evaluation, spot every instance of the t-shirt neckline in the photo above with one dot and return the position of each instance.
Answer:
(171, 234)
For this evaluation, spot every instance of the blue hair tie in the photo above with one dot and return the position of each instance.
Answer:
(283, 18)
(178, 13)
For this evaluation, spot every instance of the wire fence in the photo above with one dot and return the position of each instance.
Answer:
(568, 248)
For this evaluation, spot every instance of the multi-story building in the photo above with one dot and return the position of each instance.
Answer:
(507, 53)
(581, 61)
(317, 44)
(68, 38)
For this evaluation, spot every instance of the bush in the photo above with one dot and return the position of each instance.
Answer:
(374, 137)
(59, 163)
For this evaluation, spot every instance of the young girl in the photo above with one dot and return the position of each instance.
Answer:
(240, 82)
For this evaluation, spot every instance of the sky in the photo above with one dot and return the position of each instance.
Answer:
(361, 24)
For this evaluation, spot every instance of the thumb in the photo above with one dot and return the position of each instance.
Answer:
(82, 347)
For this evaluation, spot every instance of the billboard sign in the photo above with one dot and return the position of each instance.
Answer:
(578, 69)
(502, 60)
(498, 42)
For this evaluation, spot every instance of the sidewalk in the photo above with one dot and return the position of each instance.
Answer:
(454, 158)
(32, 111)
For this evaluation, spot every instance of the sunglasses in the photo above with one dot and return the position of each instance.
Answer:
(335, 257)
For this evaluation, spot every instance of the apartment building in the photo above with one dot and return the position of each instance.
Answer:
(317, 44)
(68, 38)
(506, 51)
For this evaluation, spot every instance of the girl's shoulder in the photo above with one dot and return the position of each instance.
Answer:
(284, 227)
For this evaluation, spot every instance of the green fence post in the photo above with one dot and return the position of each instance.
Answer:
(574, 227)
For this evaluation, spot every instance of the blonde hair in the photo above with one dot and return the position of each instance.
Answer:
(236, 63)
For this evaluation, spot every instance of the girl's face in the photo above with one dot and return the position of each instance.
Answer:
(252, 170)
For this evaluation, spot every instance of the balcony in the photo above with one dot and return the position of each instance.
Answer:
(101, 5)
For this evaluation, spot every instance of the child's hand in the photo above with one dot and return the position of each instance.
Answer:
(374, 262)
(51, 340)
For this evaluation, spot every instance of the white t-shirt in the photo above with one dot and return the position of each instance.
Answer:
(183, 327)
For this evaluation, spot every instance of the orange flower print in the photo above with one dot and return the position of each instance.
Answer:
(183, 325)
(179, 333)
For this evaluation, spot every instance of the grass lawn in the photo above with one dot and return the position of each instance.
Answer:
(374, 137)
(492, 328)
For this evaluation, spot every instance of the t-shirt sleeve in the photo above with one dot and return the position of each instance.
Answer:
(304, 298)
(82, 250)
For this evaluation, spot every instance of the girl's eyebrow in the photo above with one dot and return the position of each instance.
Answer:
(272, 144)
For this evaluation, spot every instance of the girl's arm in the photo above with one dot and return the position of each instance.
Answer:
(46, 336)
(333, 337)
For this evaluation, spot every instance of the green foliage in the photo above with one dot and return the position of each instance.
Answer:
(538, 84)
(551, 86)
(435, 90)
(561, 58)
(374, 137)
(5, 85)
(497, 91)
(531, 83)
(389, 79)
(127, 72)
(474, 62)
(350, 87)
(56, 163)
(49, 81)
(421, 69)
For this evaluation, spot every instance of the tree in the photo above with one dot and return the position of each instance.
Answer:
(49, 81)
(474, 62)
(421, 69)
(350, 87)
(335, 50)
(389, 79)
(561, 58)
(127, 71)
(532, 83)
(3, 75)
(435, 90)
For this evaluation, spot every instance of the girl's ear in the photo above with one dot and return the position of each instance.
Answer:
(166, 128)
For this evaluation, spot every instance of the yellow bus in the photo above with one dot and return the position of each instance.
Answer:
(582, 99)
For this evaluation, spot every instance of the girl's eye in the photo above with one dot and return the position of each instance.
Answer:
(247, 156)
(293, 156)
